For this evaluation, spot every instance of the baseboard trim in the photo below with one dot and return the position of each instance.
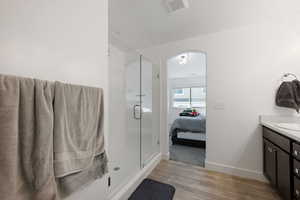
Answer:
(166, 156)
(130, 187)
(245, 173)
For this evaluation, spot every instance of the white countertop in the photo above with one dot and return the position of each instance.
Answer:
(272, 121)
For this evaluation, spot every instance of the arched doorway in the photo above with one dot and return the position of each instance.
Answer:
(186, 91)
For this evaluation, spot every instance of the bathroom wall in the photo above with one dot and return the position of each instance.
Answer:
(244, 67)
(64, 40)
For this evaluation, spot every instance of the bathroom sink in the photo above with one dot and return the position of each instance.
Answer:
(289, 126)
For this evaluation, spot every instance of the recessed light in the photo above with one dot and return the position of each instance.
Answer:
(183, 58)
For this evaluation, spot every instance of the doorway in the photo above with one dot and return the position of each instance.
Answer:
(187, 107)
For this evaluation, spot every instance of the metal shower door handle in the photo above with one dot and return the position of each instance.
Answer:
(135, 111)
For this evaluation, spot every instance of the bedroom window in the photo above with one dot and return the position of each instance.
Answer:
(181, 97)
(179, 92)
(189, 97)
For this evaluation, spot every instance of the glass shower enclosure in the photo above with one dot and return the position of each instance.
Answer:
(133, 139)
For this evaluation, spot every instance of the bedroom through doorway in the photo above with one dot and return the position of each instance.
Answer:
(187, 107)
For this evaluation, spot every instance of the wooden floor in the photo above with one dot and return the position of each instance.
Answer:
(196, 183)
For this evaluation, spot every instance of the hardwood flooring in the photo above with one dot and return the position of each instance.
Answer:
(196, 183)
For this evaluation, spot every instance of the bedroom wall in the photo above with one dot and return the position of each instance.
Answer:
(64, 40)
(244, 67)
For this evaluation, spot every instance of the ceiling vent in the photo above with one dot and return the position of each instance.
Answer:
(174, 5)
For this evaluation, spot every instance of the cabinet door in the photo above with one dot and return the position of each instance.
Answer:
(283, 174)
(270, 162)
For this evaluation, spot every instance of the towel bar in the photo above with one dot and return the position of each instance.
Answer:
(287, 75)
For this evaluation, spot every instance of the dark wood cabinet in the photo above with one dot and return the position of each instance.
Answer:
(270, 162)
(277, 162)
(283, 174)
(296, 191)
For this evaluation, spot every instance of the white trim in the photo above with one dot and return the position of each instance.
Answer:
(125, 192)
(166, 156)
(245, 173)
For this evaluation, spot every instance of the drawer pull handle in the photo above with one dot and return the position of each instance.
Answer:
(297, 171)
(297, 194)
(296, 153)
(270, 149)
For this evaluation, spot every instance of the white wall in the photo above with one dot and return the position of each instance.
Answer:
(244, 66)
(62, 40)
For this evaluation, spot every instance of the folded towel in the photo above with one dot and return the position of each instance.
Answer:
(26, 140)
(287, 95)
(78, 136)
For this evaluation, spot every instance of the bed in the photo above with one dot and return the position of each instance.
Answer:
(189, 131)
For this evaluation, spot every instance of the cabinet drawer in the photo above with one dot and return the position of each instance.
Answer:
(296, 188)
(277, 139)
(296, 168)
(296, 151)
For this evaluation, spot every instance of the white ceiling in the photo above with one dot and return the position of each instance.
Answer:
(143, 23)
(195, 66)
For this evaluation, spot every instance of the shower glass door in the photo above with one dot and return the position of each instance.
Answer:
(133, 116)
(124, 120)
(150, 111)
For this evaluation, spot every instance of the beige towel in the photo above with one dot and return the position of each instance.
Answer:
(36, 130)
(26, 140)
(9, 109)
(78, 136)
(74, 182)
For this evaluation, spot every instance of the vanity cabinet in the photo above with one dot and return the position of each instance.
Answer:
(277, 162)
(284, 174)
(270, 162)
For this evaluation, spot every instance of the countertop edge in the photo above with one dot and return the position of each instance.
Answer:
(290, 134)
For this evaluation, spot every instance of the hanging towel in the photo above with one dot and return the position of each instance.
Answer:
(9, 108)
(74, 182)
(296, 86)
(78, 135)
(286, 95)
(36, 130)
(26, 140)
(36, 140)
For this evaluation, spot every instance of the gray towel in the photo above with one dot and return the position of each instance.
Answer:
(296, 86)
(288, 95)
(26, 140)
(78, 136)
